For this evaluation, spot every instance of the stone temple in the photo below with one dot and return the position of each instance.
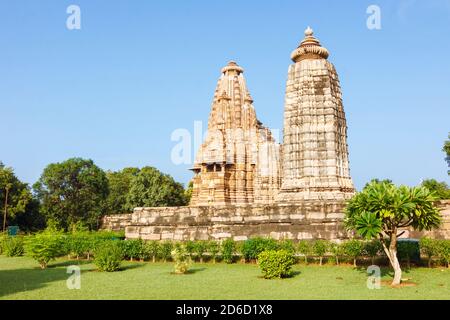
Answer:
(238, 164)
(245, 184)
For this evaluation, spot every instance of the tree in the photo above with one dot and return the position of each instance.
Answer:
(440, 189)
(72, 191)
(376, 180)
(151, 188)
(446, 149)
(380, 211)
(119, 187)
(15, 196)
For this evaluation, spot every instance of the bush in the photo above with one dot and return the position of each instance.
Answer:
(165, 250)
(13, 246)
(3, 237)
(181, 258)
(132, 249)
(44, 247)
(152, 248)
(200, 249)
(287, 245)
(444, 251)
(190, 247)
(372, 249)
(320, 247)
(228, 248)
(276, 263)
(213, 249)
(353, 248)
(408, 250)
(108, 256)
(305, 248)
(337, 250)
(253, 247)
(429, 248)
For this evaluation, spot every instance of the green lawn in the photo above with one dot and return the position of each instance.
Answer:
(20, 278)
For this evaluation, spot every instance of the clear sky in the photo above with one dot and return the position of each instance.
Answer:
(115, 90)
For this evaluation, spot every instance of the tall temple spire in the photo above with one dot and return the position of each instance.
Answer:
(234, 164)
(315, 153)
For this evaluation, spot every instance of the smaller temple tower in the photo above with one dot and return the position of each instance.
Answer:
(238, 163)
(315, 153)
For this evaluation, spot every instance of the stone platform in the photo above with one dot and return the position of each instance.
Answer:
(306, 221)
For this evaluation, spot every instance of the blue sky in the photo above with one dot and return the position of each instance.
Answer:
(115, 90)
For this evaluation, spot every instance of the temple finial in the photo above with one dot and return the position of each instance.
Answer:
(309, 32)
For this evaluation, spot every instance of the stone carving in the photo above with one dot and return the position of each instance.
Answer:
(238, 163)
(315, 153)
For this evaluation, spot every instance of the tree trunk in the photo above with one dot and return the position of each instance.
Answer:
(373, 260)
(154, 259)
(320, 261)
(6, 209)
(354, 262)
(337, 260)
(391, 252)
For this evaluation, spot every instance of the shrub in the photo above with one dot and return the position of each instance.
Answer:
(253, 247)
(304, 248)
(181, 258)
(320, 247)
(132, 249)
(429, 248)
(287, 245)
(165, 250)
(276, 263)
(152, 248)
(200, 249)
(444, 251)
(213, 249)
(108, 256)
(228, 248)
(408, 250)
(372, 249)
(190, 247)
(353, 248)
(337, 250)
(3, 237)
(13, 246)
(78, 244)
(44, 247)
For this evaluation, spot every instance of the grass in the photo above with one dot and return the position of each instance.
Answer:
(21, 278)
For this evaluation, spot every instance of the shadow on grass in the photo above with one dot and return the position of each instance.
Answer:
(69, 263)
(21, 280)
(385, 271)
(131, 266)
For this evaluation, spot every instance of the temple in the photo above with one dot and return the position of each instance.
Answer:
(238, 163)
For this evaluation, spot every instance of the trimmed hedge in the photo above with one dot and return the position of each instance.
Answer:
(276, 263)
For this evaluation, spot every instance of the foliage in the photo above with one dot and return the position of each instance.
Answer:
(200, 249)
(353, 248)
(152, 249)
(408, 250)
(44, 246)
(13, 246)
(181, 259)
(188, 191)
(228, 249)
(304, 247)
(446, 149)
(444, 251)
(287, 244)
(165, 250)
(380, 210)
(20, 203)
(253, 247)
(72, 191)
(429, 248)
(119, 188)
(151, 188)
(213, 249)
(320, 247)
(440, 189)
(337, 250)
(108, 256)
(132, 249)
(276, 263)
(372, 249)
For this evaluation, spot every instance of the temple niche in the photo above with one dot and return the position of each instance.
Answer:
(239, 162)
